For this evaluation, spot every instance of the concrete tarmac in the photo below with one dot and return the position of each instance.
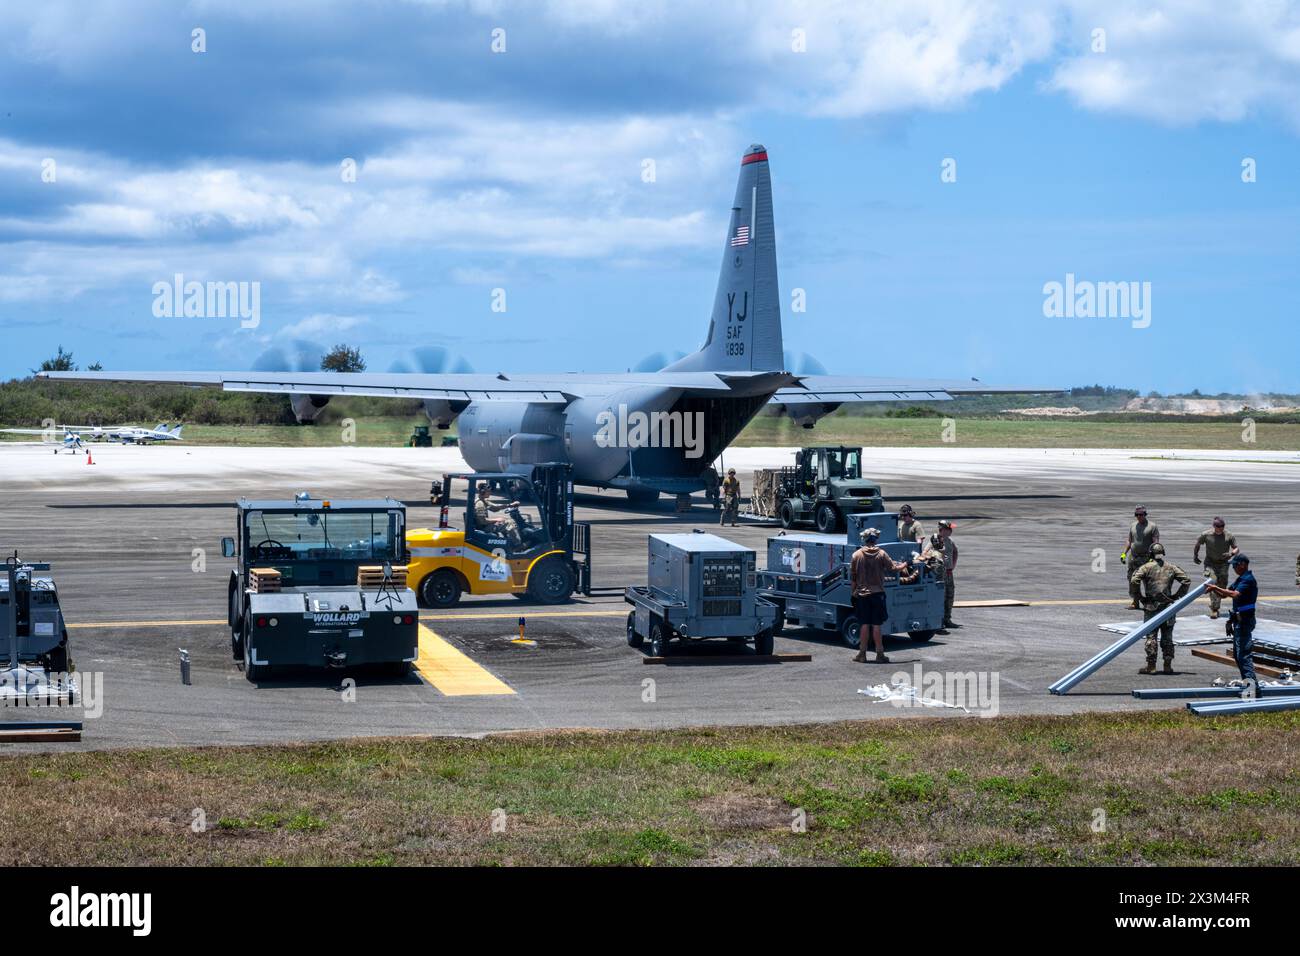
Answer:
(1041, 526)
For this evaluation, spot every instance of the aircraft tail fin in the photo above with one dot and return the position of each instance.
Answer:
(176, 432)
(745, 327)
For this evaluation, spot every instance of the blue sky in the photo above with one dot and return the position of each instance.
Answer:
(522, 171)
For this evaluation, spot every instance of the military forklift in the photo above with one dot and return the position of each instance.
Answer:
(518, 537)
(320, 583)
(824, 486)
(420, 438)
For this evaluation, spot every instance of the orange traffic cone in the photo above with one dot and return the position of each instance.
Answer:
(89, 460)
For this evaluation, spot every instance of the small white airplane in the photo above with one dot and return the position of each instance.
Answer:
(71, 440)
(134, 435)
(126, 434)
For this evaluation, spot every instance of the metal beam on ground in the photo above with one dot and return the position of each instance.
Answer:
(1213, 708)
(1104, 657)
(1173, 693)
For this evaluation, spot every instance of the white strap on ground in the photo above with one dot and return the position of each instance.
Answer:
(902, 692)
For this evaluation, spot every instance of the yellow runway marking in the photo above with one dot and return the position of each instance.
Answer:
(454, 673)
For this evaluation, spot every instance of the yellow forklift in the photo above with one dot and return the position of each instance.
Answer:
(517, 537)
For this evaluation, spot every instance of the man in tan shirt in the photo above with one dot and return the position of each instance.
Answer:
(909, 529)
(867, 572)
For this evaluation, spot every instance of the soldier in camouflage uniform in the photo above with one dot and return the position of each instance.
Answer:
(730, 498)
(909, 529)
(1137, 550)
(941, 554)
(1156, 581)
(1219, 548)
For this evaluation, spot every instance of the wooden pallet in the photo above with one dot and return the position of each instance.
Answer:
(371, 576)
(18, 732)
(1263, 670)
(264, 580)
(679, 659)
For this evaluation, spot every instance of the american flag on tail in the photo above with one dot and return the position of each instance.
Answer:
(741, 238)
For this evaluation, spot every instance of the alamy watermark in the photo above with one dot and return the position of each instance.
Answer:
(637, 429)
(208, 300)
(976, 692)
(1085, 299)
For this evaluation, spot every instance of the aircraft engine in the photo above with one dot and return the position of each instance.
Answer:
(307, 407)
(442, 412)
(808, 413)
(494, 436)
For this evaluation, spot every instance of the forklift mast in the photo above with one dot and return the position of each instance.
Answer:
(553, 485)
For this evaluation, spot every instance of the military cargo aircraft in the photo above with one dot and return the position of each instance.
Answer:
(644, 433)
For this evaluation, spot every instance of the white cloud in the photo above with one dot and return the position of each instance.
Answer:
(321, 324)
(501, 186)
(1185, 62)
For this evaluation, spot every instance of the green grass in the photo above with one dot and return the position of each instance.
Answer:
(1171, 788)
(870, 431)
(867, 431)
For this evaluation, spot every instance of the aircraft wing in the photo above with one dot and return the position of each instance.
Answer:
(560, 388)
(549, 388)
(828, 389)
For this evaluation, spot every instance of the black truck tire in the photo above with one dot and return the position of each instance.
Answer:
(57, 659)
(633, 638)
(849, 630)
(642, 497)
(253, 672)
(440, 589)
(551, 581)
(828, 518)
(763, 643)
(660, 635)
(787, 514)
(236, 632)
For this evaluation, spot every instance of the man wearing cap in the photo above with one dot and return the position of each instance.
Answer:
(1137, 550)
(1158, 578)
(1244, 591)
(730, 498)
(909, 529)
(950, 565)
(1219, 548)
(867, 571)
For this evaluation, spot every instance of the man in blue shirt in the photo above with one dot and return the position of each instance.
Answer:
(1243, 592)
